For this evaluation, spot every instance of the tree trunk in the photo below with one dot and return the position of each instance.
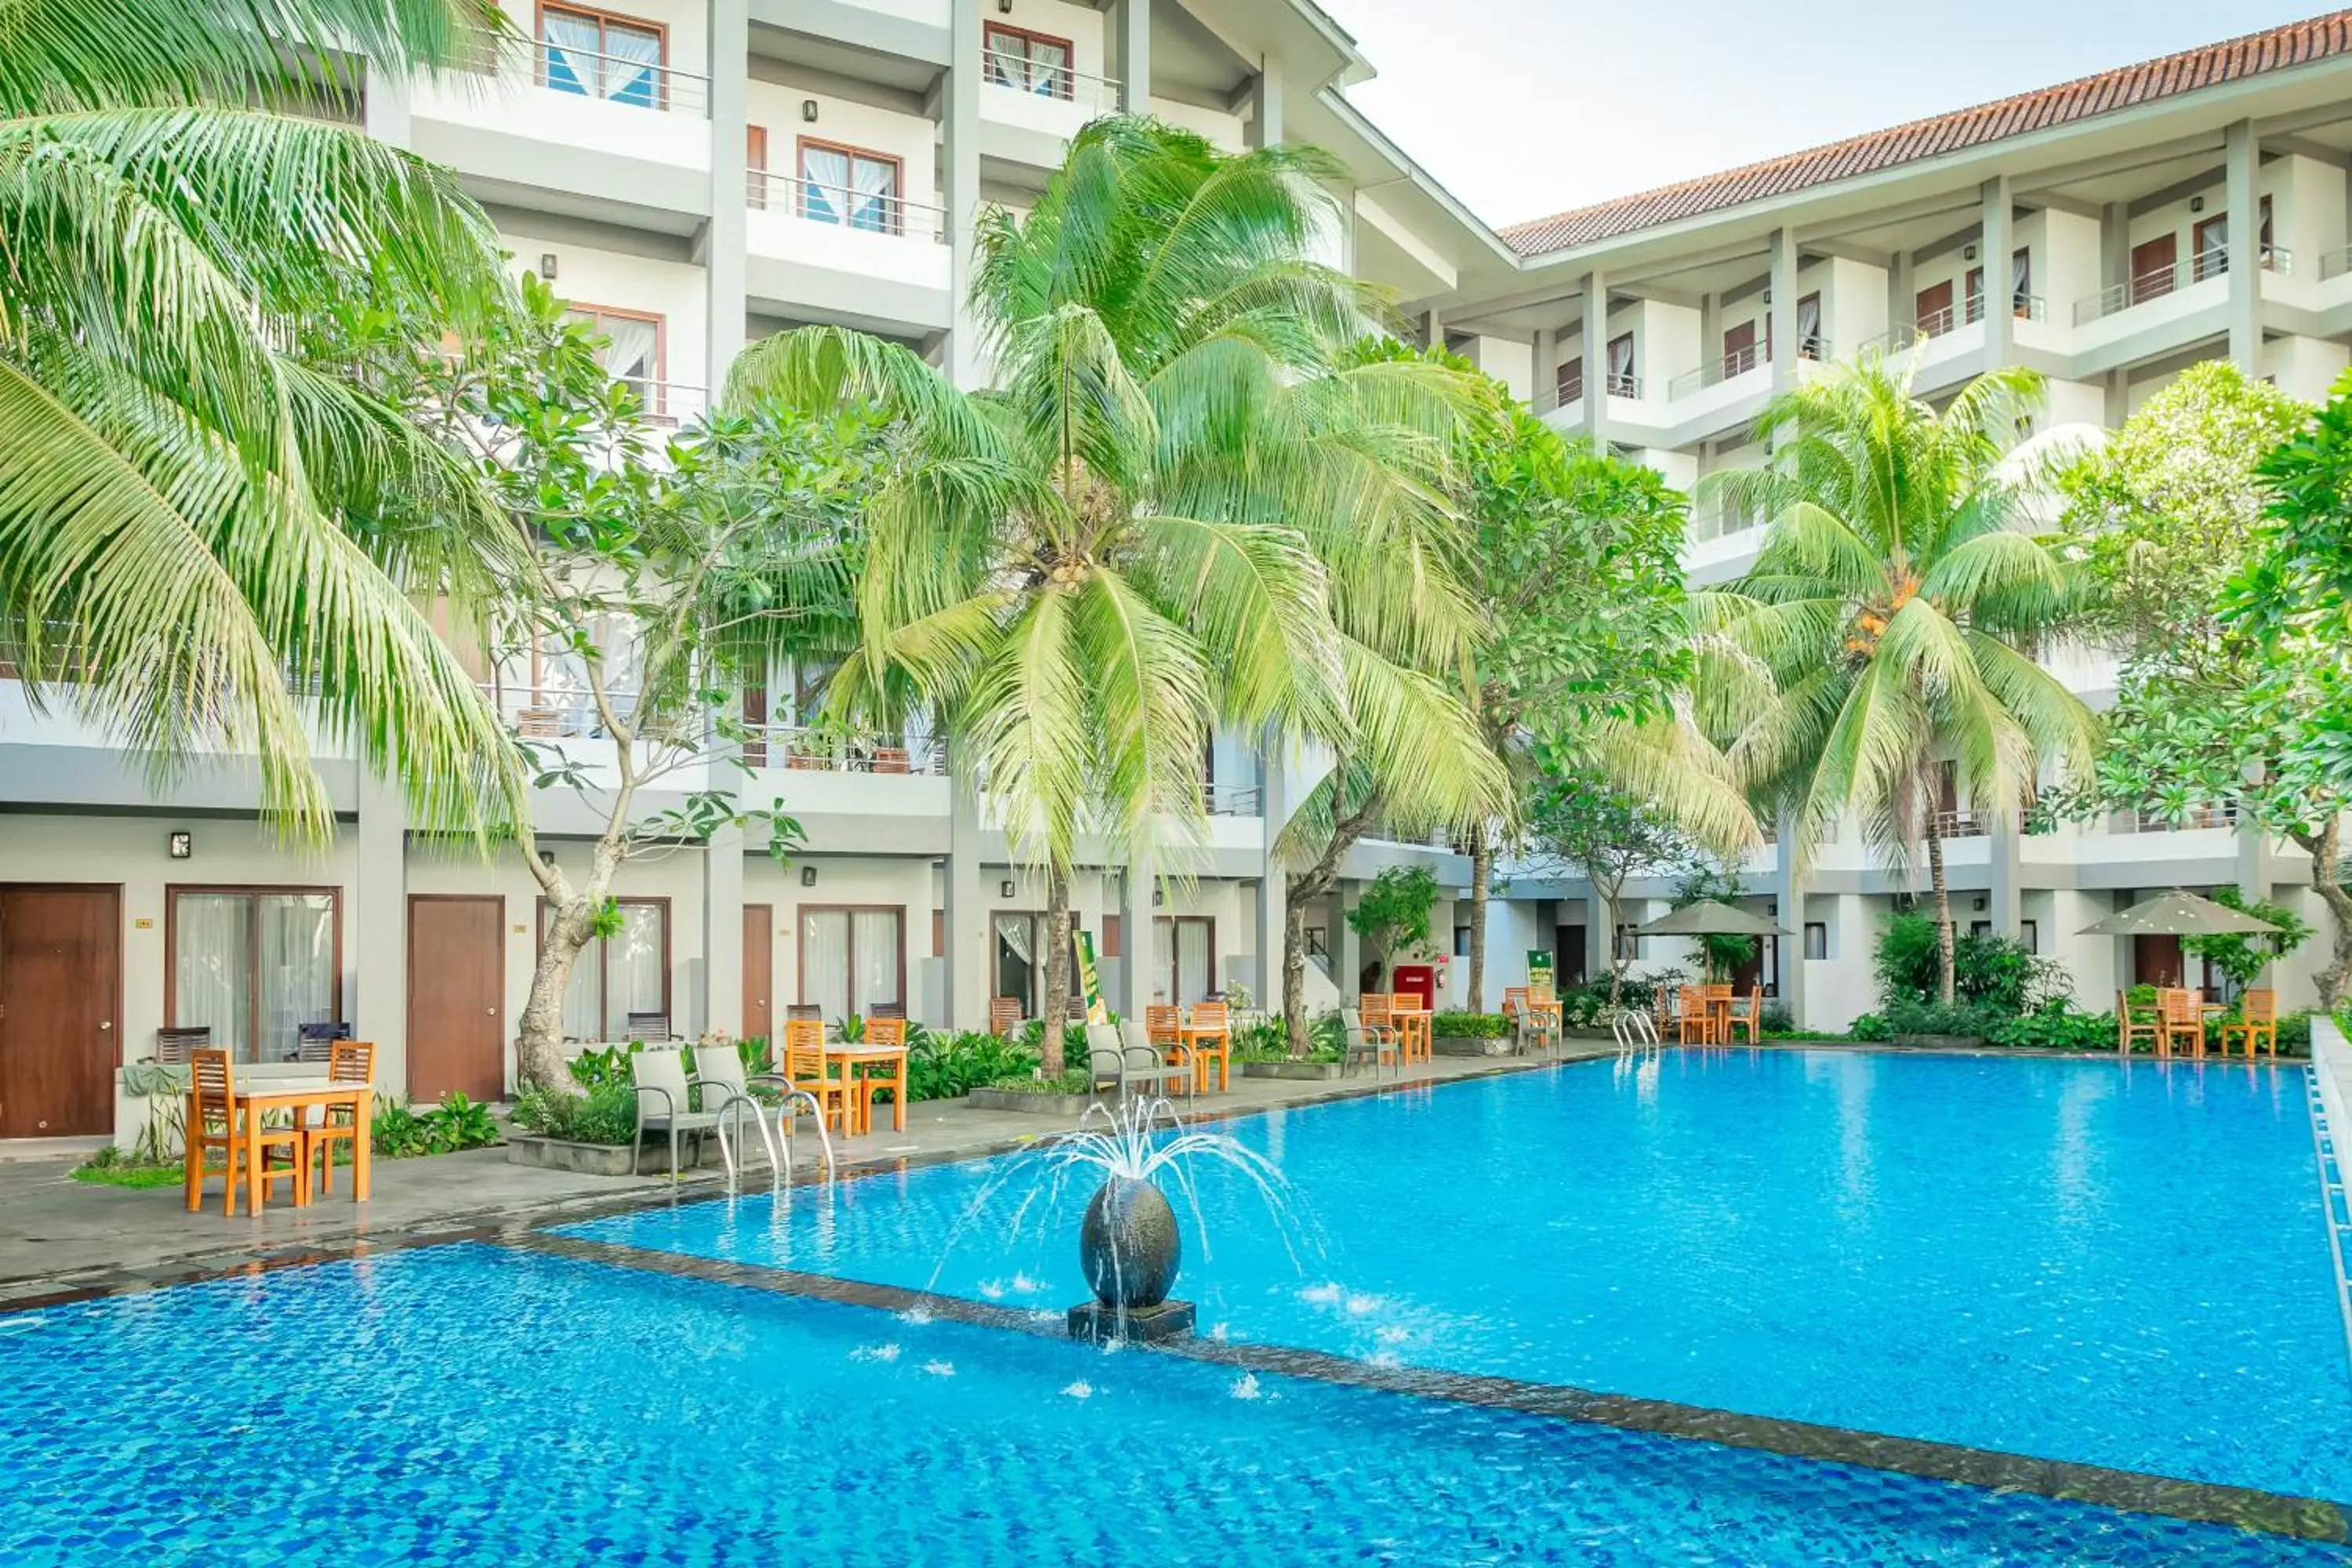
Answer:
(1617, 960)
(1056, 1005)
(1944, 955)
(1295, 969)
(1481, 872)
(2326, 872)
(539, 1036)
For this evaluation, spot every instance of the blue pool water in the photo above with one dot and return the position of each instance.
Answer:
(464, 1405)
(2123, 1265)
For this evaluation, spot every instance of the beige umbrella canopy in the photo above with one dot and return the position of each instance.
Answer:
(1707, 918)
(2179, 913)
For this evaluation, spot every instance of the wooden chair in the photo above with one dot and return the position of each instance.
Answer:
(218, 1124)
(350, 1062)
(1377, 1009)
(649, 1026)
(1515, 1011)
(1719, 1013)
(1751, 1020)
(1211, 1038)
(1004, 1015)
(1691, 1017)
(2148, 1024)
(2257, 1020)
(881, 1030)
(804, 1068)
(316, 1042)
(177, 1048)
(1163, 1024)
(2183, 1019)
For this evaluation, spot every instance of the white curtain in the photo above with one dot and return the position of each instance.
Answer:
(583, 994)
(825, 180)
(878, 941)
(634, 963)
(572, 45)
(297, 969)
(212, 969)
(1048, 67)
(824, 961)
(633, 351)
(1162, 939)
(1191, 960)
(876, 183)
(633, 65)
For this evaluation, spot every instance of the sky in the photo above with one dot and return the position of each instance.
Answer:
(1525, 108)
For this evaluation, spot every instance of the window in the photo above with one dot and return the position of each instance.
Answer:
(1020, 940)
(252, 963)
(1461, 941)
(2209, 248)
(1184, 958)
(1817, 939)
(1620, 367)
(616, 975)
(852, 187)
(1318, 942)
(1809, 327)
(853, 957)
(597, 55)
(1976, 294)
(1114, 934)
(1027, 61)
(2263, 238)
(1981, 928)
(1570, 382)
(2029, 933)
(939, 933)
(1629, 946)
(2020, 284)
(755, 160)
(633, 351)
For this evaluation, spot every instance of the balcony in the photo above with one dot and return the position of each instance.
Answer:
(1048, 99)
(858, 256)
(668, 403)
(605, 127)
(1231, 800)
(800, 749)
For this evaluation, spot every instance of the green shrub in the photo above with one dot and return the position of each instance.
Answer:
(398, 1132)
(1994, 972)
(2055, 1026)
(1077, 1080)
(945, 1066)
(1470, 1025)
(605, 1114)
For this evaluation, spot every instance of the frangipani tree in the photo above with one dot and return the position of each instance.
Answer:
(1182, 504)
(1885, 632)
(200, 516)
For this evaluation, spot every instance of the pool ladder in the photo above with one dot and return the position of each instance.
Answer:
(777, 1141)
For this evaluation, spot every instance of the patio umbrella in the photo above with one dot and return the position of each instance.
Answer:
(2179, 913)
(1707, 918)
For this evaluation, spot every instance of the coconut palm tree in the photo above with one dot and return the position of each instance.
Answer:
(1881, 650)
(200, 514)
(1184, 503)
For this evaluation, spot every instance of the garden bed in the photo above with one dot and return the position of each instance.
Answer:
(605, 1159)
(1064, 1106)
(1940, 1042)
(1470, 1045)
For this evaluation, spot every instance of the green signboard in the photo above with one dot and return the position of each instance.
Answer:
(1539, 971)
(1089, 982)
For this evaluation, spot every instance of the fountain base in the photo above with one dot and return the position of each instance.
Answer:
(1099, 1324)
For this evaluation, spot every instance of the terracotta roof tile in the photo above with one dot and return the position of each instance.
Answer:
(2281, 49)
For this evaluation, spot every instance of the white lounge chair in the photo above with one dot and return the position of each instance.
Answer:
(661, 1077)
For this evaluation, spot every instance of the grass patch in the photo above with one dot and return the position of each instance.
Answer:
(1077, 1082)
(128, 1173)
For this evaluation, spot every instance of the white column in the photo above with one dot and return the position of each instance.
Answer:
(962, 101)
(722, 932)
(1543, 376)
(2241, 158)
(1273, 878)
(1784, 307)
(378, 933)
(2001, 312)
(967, 907)
(1596, 359)
(1266, 104)
(1135, 916)
(1130, 41)
(723, 241)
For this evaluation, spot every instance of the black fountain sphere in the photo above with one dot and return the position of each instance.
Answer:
(1129, 1251)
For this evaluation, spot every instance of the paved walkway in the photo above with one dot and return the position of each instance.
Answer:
(58, 1234)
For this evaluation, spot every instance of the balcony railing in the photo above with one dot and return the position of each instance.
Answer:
(2213, 261)
(667, 402)
(2025, 307)
(618, 79)
(1042, 78)
(1958, 825)
(799, 749)
(1623, 385)
(1571, 389)
(867, 212)
(1231, 800)
(2191, 819)
(1740, 361)
(2336, 263)
(546, 713)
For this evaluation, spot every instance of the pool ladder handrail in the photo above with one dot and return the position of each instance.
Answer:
(779, 1161)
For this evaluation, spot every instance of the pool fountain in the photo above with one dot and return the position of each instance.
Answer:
(1129, 1249)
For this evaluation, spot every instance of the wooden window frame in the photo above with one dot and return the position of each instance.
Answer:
(603, 19)
(800, 942)
(801, 146)
(1175, 962)
(1066, 88)
(1810, 348)
(2197, 232)
(755, 165)
(604, 976)
(255, 891)
(1610, 376)
(1568, 380)
(657, 402)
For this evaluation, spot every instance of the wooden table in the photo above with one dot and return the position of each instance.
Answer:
(1192, 1032)
(1412, 1026)
(851, 1055)
(1545, 1011)
(298, 1096)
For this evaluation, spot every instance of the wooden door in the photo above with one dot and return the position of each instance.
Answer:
(61, 1004)
(2152, 263)
(457, 997)
(1934, 313)
(759, 970)
(1739, 349)
(2156, 961)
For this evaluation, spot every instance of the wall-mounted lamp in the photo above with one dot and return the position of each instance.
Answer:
(2196, 204)
(1004, 7)
(1005, 889)
(1159, 897)
(1980, 904)
(547, 265)
(1768, 296)
(808, 876)
(179, 846)
(1969, 254)
(808, 110)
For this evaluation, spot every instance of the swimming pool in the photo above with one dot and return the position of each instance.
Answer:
(2118, 1265)
(471, 1404)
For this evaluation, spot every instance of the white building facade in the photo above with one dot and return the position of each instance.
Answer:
(695, 174)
